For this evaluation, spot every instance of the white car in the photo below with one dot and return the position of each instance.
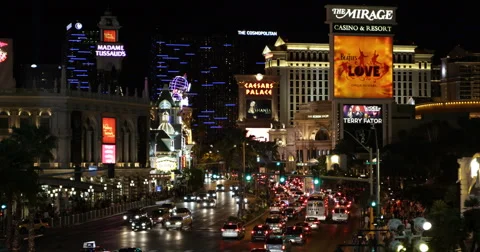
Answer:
(340, 214)
(209, 203)
(233, 230)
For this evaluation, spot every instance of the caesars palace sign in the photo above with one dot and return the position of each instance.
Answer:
(258, 88)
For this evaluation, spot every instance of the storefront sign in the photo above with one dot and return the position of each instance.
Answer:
(108, 154)
(255, 89)
(257, 33)
(109, 130)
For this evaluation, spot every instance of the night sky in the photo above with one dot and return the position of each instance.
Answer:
(38, 26)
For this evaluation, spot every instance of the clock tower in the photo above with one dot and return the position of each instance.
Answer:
(110, 54)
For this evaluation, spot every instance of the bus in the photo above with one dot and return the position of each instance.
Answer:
(317, 207)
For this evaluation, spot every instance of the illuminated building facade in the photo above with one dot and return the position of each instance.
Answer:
(79, 56)
(170, 134)
(460, 75)
(209, 62)
(304, 70)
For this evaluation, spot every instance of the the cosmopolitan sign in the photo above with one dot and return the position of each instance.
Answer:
(257, 33)
(104, 50)
(360, 14)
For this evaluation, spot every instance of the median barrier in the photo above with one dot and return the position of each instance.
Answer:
(94, 215)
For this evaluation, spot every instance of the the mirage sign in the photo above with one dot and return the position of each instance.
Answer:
(360, 14)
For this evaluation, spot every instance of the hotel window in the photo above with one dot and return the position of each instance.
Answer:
(25, 118)
(44, 122)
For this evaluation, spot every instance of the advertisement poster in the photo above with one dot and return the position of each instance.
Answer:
(357, 114)
(6, 64)
(109, 130)
(108, 154)
(363, 67)
(259, 109)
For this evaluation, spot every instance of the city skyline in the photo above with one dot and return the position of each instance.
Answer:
(421, 24)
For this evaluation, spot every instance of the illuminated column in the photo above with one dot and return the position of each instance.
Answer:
(275, 102)
(126, 146)
(88, 156)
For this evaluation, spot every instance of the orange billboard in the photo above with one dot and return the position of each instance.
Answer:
(108, 130)
(110, 36)
(363, 67)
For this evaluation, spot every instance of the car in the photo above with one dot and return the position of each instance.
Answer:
(245, 200)
(260, 232)
(160, 215)
(340, 214)
(202, 196)
(212, 194)
(307, 230)
(275, 223)
(142, 223)
(291, 213)
(90, 246)
(132, 214)
(129, 250)
(182, 211)
(233, 230)
(170, 206)
(39, 225)
(275, 243)
(295, 235)
(234, 188)
(209, 203)
(190, 198)
(179, 223)
(313, 222)
(220, 188)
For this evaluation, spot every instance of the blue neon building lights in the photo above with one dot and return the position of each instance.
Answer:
(79, 58)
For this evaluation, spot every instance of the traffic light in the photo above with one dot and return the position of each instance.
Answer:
(373, 203)
(4, 206)
(248, 176)
(282, 178)
(316, 181)
(278, 163)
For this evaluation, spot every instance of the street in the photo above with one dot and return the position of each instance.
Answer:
(112, 234)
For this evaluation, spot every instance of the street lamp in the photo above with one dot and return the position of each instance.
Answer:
(91, 192)
(145, 183)
(132, 184)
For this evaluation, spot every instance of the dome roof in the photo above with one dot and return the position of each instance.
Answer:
(167, 127)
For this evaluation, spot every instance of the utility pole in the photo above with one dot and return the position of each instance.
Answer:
(241, 204)
(370, 169)
(378, 172)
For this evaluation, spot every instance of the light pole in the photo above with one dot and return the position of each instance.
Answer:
(242, 182)
(378, 170)
(370, 152)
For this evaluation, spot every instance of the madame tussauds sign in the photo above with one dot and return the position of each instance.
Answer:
(361, 14)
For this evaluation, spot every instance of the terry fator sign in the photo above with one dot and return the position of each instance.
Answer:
(360, 14)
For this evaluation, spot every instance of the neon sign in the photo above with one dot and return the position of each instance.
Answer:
(110, 36)
(110, 51)
(258, 88)
(257, 33)
(3, 53)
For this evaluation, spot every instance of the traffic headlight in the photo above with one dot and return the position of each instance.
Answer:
(282, 179)
(248, 177)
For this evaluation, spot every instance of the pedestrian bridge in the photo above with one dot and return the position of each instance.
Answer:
(69, 183)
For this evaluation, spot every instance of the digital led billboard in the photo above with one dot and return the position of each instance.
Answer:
(109, 130)
(110, 36)
(363, 67)
(6, 63)
(259, 109)
(108, 153)
(358, 114)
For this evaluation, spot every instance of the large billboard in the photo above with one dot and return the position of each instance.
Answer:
(363, 67)
(362, 114)
(259, 109)
(109, 130)
(6, 63)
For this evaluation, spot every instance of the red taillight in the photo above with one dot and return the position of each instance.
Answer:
(222, 229)
(265, 246)
(301, 236)
(307, 228)
(253, 232)
(238, 230)
(283, 247)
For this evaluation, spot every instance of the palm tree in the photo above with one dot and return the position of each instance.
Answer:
(35, 145)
